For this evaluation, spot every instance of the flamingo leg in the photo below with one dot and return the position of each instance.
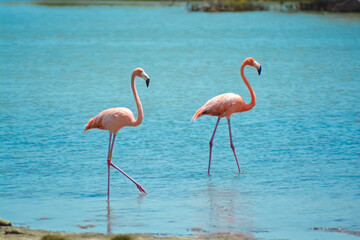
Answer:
(211, 144)
(233, 147)
(137, 185)
(110, 163)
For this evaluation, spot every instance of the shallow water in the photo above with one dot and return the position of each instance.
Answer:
(299, 148)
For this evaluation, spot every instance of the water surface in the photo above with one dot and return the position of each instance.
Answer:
(299, 148)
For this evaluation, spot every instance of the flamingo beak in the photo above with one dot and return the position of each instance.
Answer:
(146, 78)
(257, 66)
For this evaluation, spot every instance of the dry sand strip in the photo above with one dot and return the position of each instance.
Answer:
(9, 232)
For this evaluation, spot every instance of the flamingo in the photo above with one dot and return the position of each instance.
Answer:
(226, 104)
(113, 119)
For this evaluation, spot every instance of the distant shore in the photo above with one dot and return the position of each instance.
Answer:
(216, 5)
(281, 5)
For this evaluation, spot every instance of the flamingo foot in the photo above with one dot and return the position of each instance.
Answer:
(141, 188)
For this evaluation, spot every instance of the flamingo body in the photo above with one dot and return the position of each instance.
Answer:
(221, 106)
(226, 104)
(113, 119)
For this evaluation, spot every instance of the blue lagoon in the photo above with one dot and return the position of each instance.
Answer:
(299, 148)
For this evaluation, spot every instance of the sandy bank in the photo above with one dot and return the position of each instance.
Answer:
(21, 233)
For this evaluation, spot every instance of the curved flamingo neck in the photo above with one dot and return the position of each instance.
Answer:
(249, 106)
(140, 114)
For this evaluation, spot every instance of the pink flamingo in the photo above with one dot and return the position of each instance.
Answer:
(113, 119)
(226, 104)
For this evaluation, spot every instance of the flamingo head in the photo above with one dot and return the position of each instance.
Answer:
(139, 72)
(254, 63)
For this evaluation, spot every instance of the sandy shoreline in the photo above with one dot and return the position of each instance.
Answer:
(9, 232)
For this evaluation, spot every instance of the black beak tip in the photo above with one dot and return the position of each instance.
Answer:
(147, 82)
(259, 71)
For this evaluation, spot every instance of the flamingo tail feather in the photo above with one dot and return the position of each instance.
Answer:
(198, 114)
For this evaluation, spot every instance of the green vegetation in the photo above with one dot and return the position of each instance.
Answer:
(85, 3)
(228, 6)
(330, 5)
(4, 223)
(122, 237)
(225, 5)
(283, 5)
(53, 237)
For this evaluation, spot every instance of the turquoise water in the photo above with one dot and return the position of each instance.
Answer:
(299, 148)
